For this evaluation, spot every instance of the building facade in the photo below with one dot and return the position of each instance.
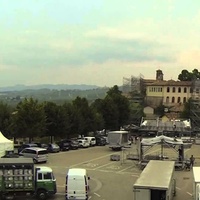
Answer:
(168, 93)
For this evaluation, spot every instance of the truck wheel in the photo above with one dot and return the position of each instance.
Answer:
(41, 194)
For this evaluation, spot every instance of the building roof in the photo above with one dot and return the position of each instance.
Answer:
(169, 83)
(147, 178)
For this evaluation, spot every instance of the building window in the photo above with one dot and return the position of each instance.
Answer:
(191, 90)
(167, 100)
(197, 90)
(184, 99)
(160, 89)
(185, 90)
(179, 90)
(173, 99)
(168, 89)
(173, 89)
(179, 100)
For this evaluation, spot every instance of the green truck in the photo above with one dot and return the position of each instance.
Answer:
(19, 177)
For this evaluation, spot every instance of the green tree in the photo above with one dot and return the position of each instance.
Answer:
(5, 118)
(119, 111)
(84, 115)
(54, 120)
(97, 109)
(71, 120)
(29, 119)
(136, 113)
(187, 109)
(189, 76)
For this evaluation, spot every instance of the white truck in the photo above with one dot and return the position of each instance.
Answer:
(196, 183)
(118, 139)
(153, 185)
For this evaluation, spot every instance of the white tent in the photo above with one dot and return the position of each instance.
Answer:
(159, 139)
(5, 145)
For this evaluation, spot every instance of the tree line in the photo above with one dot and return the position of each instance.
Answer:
(31, 118)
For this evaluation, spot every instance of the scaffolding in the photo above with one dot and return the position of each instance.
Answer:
(132, 84)
(195, 104)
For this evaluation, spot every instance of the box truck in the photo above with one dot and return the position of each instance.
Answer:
(19, 178)
(156, 181)
(196, 183)
(118, 139)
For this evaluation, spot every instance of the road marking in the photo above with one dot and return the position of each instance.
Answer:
(91, 165)
(91, 160)
(125, 169)
(189, 193)
(178, 188)
(97, 194)
(60, 186)
(103, 165)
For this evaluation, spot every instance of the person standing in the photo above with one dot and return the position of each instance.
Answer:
(192, 159)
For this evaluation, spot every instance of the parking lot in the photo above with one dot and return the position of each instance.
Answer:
(112, 179)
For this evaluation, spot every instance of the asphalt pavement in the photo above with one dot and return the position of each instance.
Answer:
(113, 179)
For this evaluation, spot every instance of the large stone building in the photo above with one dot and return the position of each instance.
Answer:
(169, 93)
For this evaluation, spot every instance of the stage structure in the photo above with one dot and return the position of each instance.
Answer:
(162, 148)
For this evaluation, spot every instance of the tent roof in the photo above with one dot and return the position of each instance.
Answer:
(3, 139)
(161, 138)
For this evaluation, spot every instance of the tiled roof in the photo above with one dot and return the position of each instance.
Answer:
(170, 83)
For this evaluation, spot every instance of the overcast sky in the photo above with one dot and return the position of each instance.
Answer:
(96, 42)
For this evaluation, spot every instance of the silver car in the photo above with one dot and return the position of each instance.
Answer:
(38, 154)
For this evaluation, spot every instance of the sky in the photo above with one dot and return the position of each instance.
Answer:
(96, 42)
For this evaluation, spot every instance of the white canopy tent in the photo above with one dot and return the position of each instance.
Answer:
(159, 139)
(5, 145)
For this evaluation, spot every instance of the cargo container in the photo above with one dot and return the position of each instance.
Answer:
(196, 183)
(118, 139)
(156, 181)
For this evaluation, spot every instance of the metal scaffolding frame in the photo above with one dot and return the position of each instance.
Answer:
(195, 104)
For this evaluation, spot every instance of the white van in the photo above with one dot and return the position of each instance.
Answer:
(91, 140)
(77, 185)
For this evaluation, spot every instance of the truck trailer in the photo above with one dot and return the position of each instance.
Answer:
(19, 178)
(196, 183)
(118, 139)
(156, 181)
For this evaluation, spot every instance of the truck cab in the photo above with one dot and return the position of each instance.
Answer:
(45, 182)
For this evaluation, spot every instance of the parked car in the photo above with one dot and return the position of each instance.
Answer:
(100, 141)
(73, 144)
(42, 145)
(36, 153)
(91, 140)
(83, 143)
(10, 154)
(23, 146)
(64, 145)
(53, 148)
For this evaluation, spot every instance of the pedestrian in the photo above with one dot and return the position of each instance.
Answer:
(192, 159)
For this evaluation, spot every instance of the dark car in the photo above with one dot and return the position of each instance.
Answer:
(73, 144)
(23, 146)
(53, 148)
(42, 145)
(64, 145)
(10, 154)
(100, 141)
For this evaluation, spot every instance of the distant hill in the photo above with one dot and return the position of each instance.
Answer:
(48, 86)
